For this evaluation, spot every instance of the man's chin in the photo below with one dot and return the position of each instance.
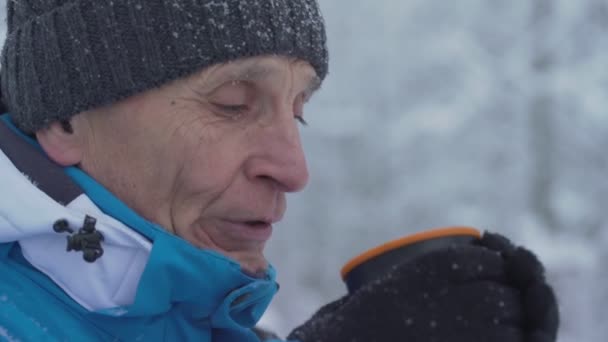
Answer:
(252, 263)
(249, 254)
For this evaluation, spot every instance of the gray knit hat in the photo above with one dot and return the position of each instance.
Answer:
(62, 57)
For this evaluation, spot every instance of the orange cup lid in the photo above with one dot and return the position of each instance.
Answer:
(405, 241)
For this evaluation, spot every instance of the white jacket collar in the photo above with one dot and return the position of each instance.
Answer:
(27, 215)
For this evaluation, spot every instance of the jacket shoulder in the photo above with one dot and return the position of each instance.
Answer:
(31, 311)
(20, 320)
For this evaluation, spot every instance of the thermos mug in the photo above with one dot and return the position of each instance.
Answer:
(371, 264)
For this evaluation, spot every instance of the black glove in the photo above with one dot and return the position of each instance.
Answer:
(490, 291)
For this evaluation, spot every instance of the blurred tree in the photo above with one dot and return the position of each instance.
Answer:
(542, 129)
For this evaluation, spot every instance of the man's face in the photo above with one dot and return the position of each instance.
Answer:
(209, 157)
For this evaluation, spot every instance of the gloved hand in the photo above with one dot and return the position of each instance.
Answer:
(490, 291)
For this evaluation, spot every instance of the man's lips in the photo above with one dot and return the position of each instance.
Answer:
(254, 230)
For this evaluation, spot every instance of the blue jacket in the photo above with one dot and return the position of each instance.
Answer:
(145, 285)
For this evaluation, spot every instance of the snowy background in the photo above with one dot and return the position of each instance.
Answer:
(486, 113)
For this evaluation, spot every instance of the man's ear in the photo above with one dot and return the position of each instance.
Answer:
(62, 143)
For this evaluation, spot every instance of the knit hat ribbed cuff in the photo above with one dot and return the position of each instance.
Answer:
(59, 61)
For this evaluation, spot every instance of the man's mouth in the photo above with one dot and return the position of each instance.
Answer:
(258, 224)
(252, 230)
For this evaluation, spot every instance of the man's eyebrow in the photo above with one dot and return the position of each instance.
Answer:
(259, 72)
(233, 74)
(251, 73)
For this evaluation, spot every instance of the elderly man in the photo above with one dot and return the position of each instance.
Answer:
(146, 154)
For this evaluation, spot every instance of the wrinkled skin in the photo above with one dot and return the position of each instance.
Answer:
(209, 157)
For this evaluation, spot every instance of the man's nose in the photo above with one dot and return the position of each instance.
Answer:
(280, 156)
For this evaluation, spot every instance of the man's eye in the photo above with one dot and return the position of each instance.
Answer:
(301, 120)
(298, 109)
(232, 109)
